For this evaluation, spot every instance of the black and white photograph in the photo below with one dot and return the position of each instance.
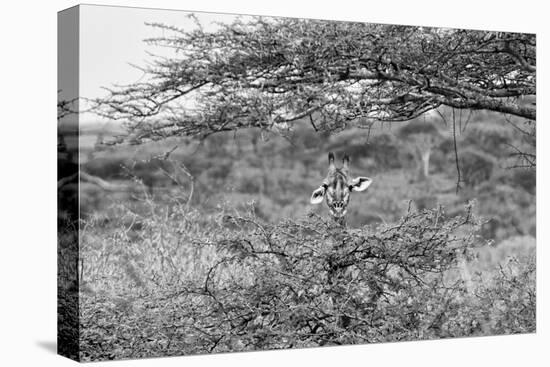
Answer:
(233, 183)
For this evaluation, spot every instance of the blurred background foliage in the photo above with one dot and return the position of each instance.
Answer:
(413, 161)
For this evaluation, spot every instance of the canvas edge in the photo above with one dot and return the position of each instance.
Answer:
(68, 47)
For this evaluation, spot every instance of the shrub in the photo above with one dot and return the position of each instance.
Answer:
(492, 138)
(476, 166)
(313, 283)
(175, 281)
(185, 284)
(507, 300)
(107, 167)
(526, 179)
(382, 148)
(419, 127)
(512, 211)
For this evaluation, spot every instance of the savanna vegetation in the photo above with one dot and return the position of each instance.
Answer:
(196, 231)
(216, 247)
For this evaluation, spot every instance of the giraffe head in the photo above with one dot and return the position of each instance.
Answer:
(337, 187)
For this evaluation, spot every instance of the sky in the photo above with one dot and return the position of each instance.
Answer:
(111, 38)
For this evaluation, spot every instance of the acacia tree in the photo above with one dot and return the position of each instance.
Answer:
(272, 72)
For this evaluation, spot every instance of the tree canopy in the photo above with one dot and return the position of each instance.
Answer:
(271, 72)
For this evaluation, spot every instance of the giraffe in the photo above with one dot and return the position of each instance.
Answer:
(337, 187)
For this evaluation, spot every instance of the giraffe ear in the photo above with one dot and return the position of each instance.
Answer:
(360, 183)
(318, 195)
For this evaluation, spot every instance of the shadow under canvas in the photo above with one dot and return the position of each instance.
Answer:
(48, 345)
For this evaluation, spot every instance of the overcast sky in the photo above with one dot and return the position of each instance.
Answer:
(111, 38)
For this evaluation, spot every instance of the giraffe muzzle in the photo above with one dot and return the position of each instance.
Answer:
(338, 205)
(338, 209)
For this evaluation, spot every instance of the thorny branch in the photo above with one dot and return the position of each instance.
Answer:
(316, 297)
(270, 73)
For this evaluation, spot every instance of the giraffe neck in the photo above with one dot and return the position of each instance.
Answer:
(340, 221)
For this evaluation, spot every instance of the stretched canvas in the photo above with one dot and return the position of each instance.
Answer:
(238, 183)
